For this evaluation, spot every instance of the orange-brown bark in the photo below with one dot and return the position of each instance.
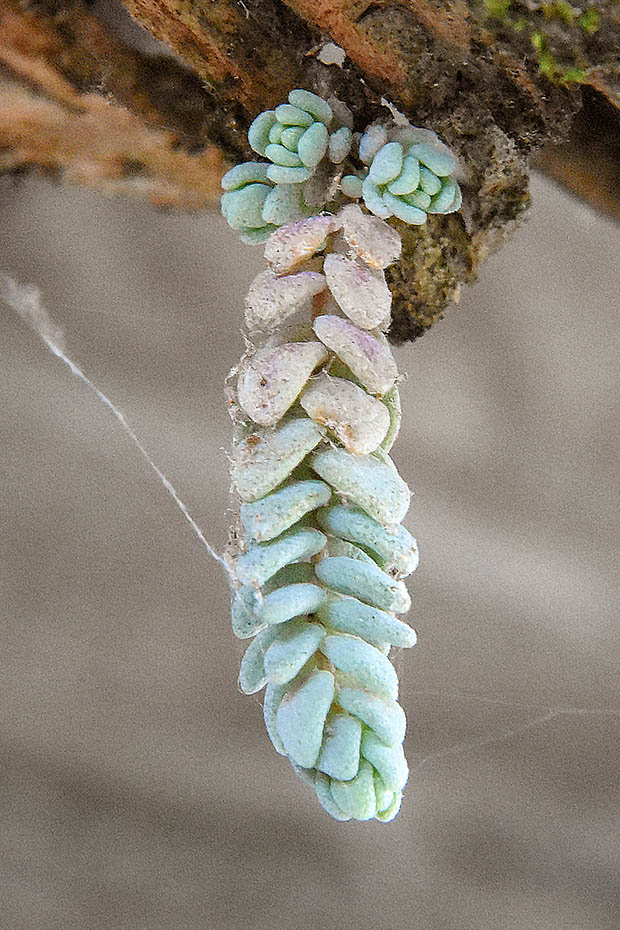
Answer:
(49, 121)
(225, 45)
(102, 145)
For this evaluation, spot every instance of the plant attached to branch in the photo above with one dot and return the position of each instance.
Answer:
(320, 553)
(316, 162)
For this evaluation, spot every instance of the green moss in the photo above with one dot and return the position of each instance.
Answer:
(556, 59)
(574, 75)
(561, 10)
(589, 21)
(550, 67)
(498, 8)
(539, 43)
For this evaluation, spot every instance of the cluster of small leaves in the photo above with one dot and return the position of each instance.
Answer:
(320, 553)
(296, 137)
(315, 159)
(409, 174)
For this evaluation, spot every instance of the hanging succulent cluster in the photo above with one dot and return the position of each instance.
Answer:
(319, 552)
(316, 161)
(320, 549)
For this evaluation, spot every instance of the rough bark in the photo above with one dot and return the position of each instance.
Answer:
(587, 163)
(498, 80)
(76, 102)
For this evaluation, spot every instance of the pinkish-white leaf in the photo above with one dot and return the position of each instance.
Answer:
(273, 378)
(291, 245)
(360, 292)
(264, 459)
(271, 299)
(369, 358)
(372, 240)
(358, 420)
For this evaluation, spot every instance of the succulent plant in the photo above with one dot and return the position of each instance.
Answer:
(246, 188)
(296, 139)
(319, 553)
(397, 170)
(409, 176)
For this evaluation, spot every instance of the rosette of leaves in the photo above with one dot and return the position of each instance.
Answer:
(410, 174)
(298, 138)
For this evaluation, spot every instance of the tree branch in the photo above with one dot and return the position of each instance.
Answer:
(77, 102)
(497, 79)
(588, 163)
(477, 79)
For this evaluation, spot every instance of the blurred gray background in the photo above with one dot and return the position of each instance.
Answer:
(139, 790)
